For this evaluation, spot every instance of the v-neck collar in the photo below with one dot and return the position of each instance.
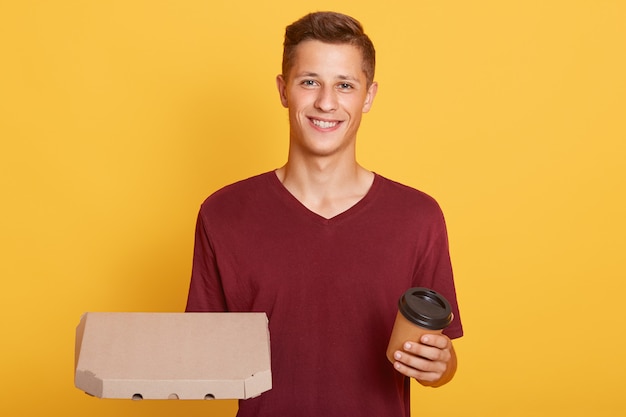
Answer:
(296, 205)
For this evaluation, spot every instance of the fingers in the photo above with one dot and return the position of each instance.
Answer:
(420, 374)
(436, 340)
(424, 361)
(432, 347)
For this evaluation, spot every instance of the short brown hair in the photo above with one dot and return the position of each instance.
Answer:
(329, 27)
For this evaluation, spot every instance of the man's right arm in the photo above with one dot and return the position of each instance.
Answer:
(205, 289)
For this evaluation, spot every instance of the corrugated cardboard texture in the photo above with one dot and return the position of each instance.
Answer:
(173, 355)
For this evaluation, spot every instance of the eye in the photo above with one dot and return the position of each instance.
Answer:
(308, 83)
(345, 86)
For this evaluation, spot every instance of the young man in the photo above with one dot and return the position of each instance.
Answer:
(326, 247)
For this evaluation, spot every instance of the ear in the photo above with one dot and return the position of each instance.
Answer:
(369, 98)
(282, 90)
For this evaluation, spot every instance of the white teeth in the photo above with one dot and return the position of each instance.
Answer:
(323, 124)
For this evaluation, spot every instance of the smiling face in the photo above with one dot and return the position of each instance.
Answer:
(326, 93)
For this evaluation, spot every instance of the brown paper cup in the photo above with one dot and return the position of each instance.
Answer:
(420, 311)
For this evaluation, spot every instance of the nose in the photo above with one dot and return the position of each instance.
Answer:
(326, 100)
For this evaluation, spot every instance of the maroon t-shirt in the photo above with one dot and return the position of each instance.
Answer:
(330, 288)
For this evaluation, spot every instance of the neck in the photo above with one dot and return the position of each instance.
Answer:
(324, 187)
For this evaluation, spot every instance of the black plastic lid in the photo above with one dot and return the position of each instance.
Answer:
(425, 308)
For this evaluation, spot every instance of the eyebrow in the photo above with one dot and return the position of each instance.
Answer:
(348, 78)
(340, 77)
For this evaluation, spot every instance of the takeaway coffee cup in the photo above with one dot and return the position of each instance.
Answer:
(420, 310)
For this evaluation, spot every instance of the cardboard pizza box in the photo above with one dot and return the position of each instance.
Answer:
(173, 355)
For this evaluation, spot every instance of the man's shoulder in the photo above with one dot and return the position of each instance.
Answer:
(409, 207)
(399, 191)
(242, 190)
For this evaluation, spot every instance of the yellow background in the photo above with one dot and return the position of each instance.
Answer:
(117, 118)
